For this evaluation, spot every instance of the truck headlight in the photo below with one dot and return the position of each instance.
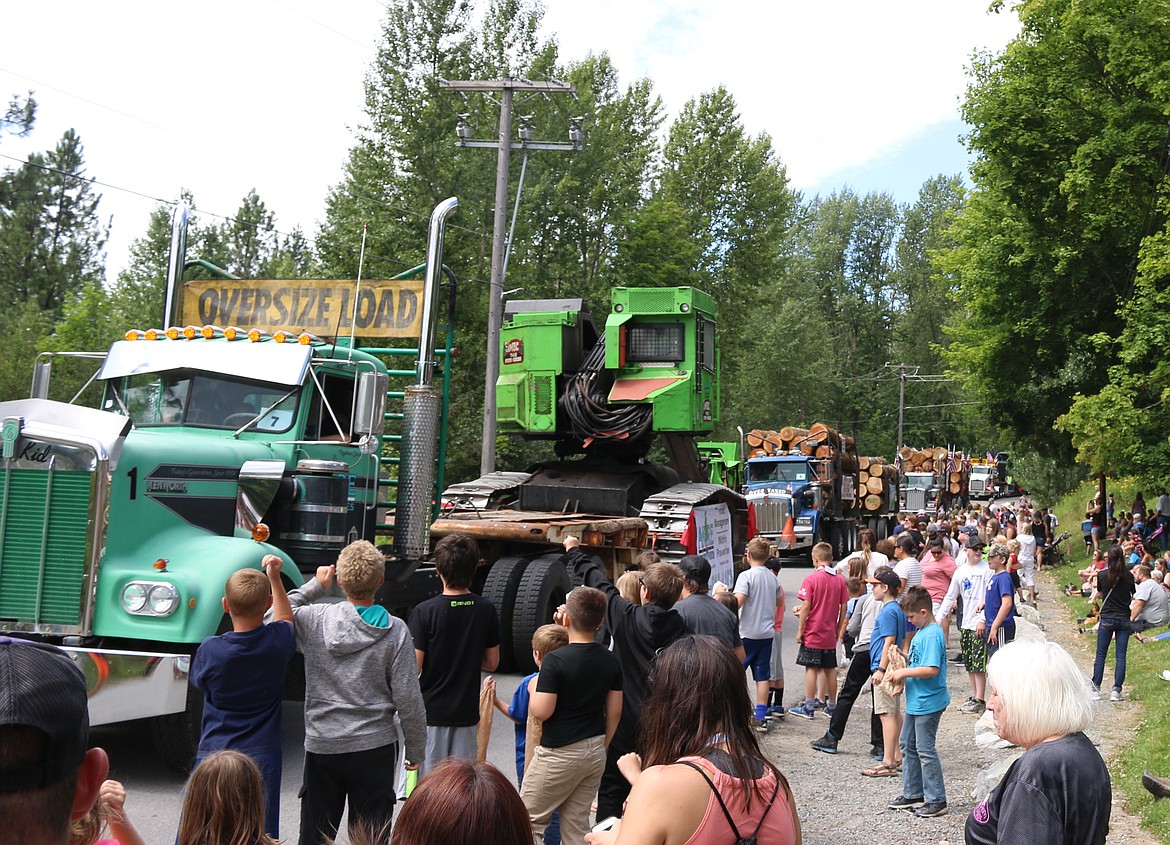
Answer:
(163, 599)
(134, 598)
(150, 598)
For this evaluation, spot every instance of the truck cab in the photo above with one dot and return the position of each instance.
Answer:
(983, 481)
(780, 487)
(122, 523)
(920, 491)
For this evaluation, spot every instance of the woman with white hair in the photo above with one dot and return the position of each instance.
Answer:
(1058, 790)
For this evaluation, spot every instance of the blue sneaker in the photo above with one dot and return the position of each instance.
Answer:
(777, 712)
(818, 704)
(803, 711)
(829, 711)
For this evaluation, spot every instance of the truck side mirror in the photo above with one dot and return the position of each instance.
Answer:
(369, 415)
(42, 372)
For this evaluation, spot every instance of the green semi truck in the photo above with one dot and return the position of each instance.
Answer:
(210, 445)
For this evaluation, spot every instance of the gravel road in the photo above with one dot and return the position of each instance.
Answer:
(838, 806)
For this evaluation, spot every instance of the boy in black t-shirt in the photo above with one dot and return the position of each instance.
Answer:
(579, 698)
(456, 634)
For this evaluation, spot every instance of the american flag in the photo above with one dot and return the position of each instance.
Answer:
(990, 457)
(952, 464)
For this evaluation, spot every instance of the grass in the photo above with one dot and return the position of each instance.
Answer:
(1149, 746)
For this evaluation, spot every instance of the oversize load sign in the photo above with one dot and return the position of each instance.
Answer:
(384, 308)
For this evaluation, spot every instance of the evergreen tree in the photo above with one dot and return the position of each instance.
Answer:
(51, 237)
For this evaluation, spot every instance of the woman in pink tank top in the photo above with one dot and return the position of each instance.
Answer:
(702, 777)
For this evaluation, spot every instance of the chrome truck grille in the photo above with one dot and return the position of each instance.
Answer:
(771, 514)
(915, 500)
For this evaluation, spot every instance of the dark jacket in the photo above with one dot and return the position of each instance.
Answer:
(638, 630)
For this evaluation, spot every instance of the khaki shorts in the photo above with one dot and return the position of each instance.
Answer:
(886, 704)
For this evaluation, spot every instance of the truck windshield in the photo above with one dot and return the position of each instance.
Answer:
(202, 400)
(919, 482)
(784, 471)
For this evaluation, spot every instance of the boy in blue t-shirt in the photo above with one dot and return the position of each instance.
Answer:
(926, 699)
(547, 638)
(999, 608)
(241, 674)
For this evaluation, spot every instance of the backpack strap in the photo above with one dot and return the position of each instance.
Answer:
(738, 837)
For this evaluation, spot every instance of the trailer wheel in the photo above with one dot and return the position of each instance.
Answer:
(176, 735)
(503, 579)
(542, 590)
(835, 536)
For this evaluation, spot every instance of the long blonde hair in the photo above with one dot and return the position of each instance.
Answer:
(224, 803)
(859, 563)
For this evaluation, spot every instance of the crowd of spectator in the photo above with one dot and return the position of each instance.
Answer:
(638, 715)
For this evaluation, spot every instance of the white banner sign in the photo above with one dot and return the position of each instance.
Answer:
(713, 541)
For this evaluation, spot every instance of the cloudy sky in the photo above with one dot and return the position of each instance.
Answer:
(222, 97)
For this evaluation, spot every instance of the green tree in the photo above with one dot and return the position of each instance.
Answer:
(51, 236)
(734, 192)
(1068, 129)
(250, 237)
(19, 116)
(925, 302)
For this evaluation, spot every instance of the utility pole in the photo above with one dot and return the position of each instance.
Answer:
(902, 368)
(506, 88)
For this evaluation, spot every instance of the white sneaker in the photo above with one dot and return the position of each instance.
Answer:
(1165, 676)
(1115, 695)
(1094, 692)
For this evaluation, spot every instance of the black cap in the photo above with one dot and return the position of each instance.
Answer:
(696, 568)
(888, 577)
(42, 688)
(973, 542)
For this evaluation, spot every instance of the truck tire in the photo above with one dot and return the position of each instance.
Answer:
(542, 590)
(503, 579)
(837, 536)
(176, 735)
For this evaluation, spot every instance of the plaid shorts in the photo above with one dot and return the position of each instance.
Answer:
(974, 649)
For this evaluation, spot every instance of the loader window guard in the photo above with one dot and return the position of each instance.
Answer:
(649, 343)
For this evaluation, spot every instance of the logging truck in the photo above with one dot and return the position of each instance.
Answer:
(934, 479)
(810, 485)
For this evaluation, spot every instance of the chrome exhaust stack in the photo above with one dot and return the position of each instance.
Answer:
(422, 407)
(175, 264)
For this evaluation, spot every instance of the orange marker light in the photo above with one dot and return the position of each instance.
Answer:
(260, 532)
(161, 564)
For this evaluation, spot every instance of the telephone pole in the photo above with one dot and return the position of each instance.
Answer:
(506, 88)
(902, 368)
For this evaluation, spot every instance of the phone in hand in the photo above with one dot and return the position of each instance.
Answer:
(604, 824)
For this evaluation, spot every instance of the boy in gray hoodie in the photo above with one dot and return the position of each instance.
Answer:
(360, 670)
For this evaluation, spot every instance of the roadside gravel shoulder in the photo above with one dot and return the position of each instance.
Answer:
(838, 806)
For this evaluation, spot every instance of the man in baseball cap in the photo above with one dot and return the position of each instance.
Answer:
(48, 775)
(702, 613)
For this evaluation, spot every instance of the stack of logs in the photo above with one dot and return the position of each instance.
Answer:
(874, 478)
(818, 440)
(935, 460)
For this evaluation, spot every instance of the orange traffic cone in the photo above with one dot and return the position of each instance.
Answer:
(788, 535)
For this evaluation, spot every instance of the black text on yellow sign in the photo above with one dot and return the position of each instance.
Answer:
(385, 308)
